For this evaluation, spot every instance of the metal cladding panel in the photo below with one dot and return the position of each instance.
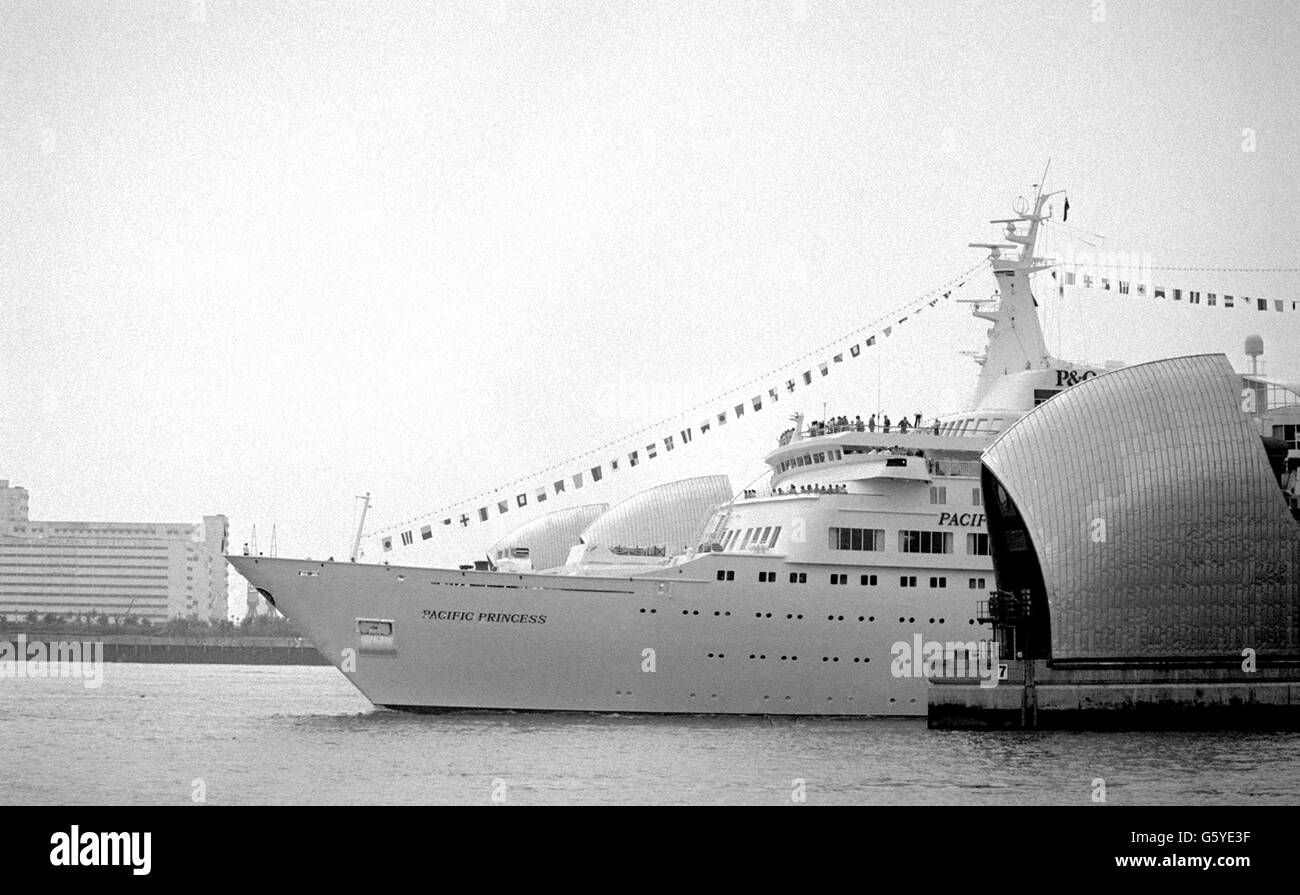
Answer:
(1159, 525)
(549, 538)
(670, 515)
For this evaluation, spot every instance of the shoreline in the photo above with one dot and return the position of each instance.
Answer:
(164, 649)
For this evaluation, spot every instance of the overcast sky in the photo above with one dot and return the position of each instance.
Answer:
(256, 258)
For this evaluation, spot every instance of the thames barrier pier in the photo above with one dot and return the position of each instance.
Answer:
(1146, 548)
(1121, 698)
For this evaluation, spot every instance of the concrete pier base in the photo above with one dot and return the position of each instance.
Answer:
(1111, 698)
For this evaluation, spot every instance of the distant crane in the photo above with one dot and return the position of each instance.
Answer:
(253, 541)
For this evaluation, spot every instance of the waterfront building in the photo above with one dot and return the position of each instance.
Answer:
(122, 570)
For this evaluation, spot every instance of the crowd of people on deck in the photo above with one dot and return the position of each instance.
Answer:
(811, 489)
(817, 428)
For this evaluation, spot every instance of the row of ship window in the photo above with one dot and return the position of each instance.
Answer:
(862, 539)
(982, 425)
(764, 536)
(811, 458)
(873, 539)
(843, 578)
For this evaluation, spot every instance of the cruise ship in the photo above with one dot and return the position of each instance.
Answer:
(788, 599)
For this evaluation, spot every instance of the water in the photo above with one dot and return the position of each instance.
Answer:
(289, 735)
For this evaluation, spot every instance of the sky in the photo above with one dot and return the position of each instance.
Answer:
(259, 258)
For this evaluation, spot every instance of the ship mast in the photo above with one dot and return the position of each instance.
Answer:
(1015, 342)
(361, 524)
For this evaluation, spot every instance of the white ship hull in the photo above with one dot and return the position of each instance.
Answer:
(493, 640)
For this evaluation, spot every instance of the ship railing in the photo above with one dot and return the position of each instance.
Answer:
(621, 550)
(787, 438)
(1003, 606)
